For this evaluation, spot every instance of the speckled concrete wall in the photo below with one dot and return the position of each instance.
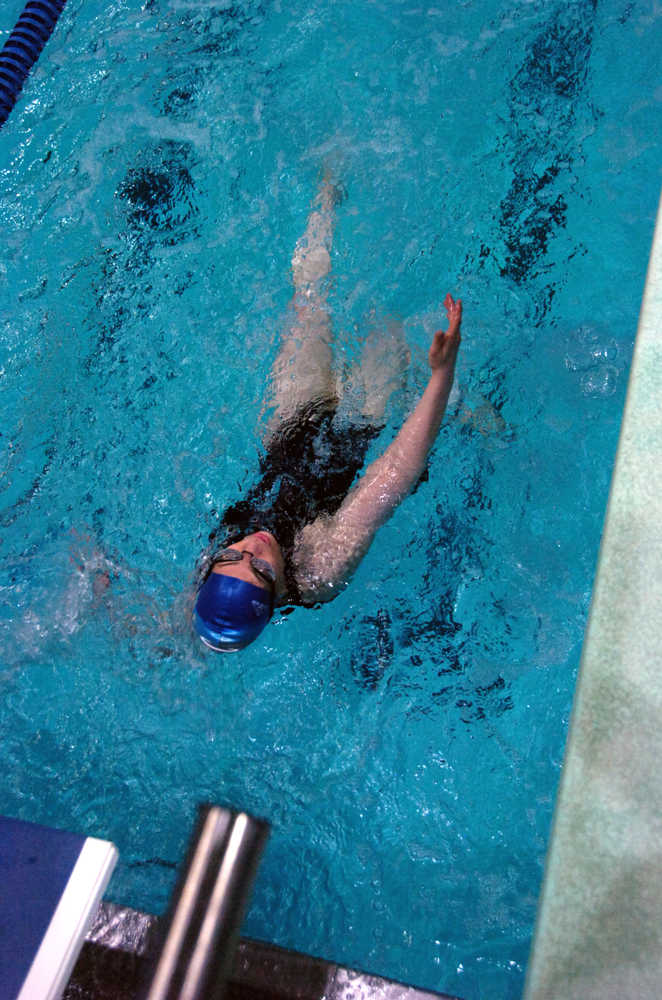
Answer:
(599, 932)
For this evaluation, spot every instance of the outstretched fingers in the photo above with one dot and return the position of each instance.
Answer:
(454, 313)
(443, 349)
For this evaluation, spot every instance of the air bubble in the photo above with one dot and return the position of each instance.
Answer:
(602, 382)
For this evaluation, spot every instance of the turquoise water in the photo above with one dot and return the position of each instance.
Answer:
(405, 741)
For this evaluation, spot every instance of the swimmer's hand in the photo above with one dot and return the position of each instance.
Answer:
(443, 350)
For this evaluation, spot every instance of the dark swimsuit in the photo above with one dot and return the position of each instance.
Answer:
(307, 470)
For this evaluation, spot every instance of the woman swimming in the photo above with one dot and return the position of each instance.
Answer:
(300, 533)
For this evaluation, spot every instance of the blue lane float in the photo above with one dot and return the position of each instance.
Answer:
(23, 47)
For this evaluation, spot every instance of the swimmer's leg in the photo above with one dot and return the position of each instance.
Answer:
(303, 369)
(382, 370)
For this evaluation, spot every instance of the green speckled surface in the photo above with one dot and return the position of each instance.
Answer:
(599, 931)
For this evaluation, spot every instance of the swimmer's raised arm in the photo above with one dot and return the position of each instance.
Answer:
(394, 474)
(330, 549)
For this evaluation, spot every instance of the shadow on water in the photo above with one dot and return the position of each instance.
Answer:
(419, 646)
(546, 94)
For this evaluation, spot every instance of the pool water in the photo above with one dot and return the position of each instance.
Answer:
(405, 741)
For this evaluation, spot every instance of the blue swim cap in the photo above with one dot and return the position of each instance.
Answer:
(230, 613)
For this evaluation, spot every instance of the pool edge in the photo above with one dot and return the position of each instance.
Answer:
(599, 926)
(112, 966)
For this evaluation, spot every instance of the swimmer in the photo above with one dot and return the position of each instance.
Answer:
(301, 532)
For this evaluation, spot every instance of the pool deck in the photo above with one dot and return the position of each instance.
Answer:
(599, 930)
(114, 966)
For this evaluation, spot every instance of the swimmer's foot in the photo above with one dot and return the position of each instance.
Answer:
(332, 192)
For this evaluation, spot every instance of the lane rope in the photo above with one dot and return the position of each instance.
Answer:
(23, 47)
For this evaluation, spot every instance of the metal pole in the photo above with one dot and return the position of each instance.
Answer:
(208, 907)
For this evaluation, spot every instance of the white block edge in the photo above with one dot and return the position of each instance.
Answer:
(53, 963)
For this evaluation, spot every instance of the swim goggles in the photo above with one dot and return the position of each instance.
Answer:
(260, 567)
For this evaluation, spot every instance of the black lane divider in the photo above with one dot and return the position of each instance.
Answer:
(21, 50)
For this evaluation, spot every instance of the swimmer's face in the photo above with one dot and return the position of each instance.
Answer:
(262, 545)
